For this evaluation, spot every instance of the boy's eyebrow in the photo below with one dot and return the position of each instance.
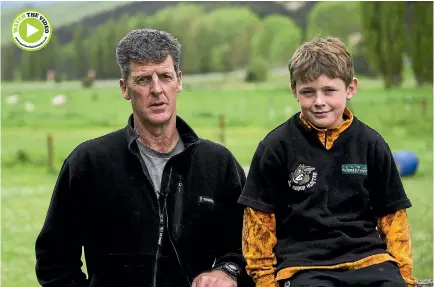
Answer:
(329, 87)
(311, 88)
(306, 88)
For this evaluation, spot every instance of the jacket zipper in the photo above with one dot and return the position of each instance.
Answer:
(178, 207)
(179, 191)
(161, 217)
(161, 213)
(327, 133)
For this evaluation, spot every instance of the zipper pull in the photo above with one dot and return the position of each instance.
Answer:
(179, 183)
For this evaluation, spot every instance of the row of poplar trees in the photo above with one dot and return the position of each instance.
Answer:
(387, 38)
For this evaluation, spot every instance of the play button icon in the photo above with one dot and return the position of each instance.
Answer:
(31, 30)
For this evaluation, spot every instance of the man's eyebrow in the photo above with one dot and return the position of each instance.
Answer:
(141, 75)
(149, 75)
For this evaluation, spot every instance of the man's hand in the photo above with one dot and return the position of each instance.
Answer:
(214, 279)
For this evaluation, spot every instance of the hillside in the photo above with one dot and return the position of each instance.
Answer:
(64, 15)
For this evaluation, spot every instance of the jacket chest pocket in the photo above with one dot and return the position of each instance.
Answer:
(188, 209)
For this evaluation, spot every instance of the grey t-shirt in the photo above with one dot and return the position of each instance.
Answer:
(155, 161)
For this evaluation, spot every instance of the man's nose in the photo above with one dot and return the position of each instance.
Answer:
(156, 88)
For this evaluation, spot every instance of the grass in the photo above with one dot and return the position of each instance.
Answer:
(250, 111)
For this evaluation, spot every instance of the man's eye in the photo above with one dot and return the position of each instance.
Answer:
(165, 76)
(142, 81)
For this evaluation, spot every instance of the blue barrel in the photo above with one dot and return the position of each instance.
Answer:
(406, 162)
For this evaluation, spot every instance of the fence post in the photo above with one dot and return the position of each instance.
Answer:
(424, 104)
(222, 129)
(50, 153)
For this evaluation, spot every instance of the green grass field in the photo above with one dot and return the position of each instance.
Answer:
(250, 112)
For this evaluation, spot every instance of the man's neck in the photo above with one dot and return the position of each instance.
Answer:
(159, 138)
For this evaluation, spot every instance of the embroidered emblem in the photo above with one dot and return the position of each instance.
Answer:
(206, 199)
(302, 178)
(355, 169)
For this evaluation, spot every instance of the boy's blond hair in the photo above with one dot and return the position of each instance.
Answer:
(321, 56)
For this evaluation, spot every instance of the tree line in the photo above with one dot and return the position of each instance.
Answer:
(226, 39)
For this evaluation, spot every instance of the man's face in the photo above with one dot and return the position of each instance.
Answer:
(323, 100)
(152, 89)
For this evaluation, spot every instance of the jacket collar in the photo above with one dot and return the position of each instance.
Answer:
(345, 130)
(186, 132)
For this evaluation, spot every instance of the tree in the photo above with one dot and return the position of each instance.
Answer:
(7, 62)
(272, 28)
(284, 44)
(384, 38)
(421, 41)
(337, 19)
(178, 20)
(80, 58)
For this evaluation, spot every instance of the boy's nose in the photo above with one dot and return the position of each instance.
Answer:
(319, 100)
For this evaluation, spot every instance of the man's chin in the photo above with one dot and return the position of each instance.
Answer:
(159, 119)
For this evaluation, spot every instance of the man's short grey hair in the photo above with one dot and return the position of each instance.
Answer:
(147, 46)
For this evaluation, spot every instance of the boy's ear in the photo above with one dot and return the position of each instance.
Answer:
(352, 88)
(294, 91)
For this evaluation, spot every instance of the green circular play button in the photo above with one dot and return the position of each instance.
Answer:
(31, 30)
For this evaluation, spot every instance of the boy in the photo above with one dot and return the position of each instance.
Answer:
(324, 203)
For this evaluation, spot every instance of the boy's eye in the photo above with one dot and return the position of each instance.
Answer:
(330, 90)
(307, 92)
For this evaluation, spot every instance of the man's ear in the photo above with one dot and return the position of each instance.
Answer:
(124, 89)
(179, 88)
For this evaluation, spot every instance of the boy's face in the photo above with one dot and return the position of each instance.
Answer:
(323, 100)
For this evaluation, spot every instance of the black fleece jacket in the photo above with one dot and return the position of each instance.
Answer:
(103, 201)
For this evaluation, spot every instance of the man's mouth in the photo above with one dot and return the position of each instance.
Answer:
(158, 104)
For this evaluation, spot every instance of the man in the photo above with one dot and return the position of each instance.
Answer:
(152, 204)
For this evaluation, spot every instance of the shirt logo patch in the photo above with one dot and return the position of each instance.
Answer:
(203, 199)
(355, 169)
(302, 178)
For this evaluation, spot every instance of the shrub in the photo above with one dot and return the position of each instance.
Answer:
(87, 83)
(257, 70)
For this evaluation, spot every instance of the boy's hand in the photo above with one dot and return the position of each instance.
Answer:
(214, 279)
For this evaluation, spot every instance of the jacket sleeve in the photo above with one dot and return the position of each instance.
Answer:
(58, 246)
(229, 245)
(395, 231)
(259, 239)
